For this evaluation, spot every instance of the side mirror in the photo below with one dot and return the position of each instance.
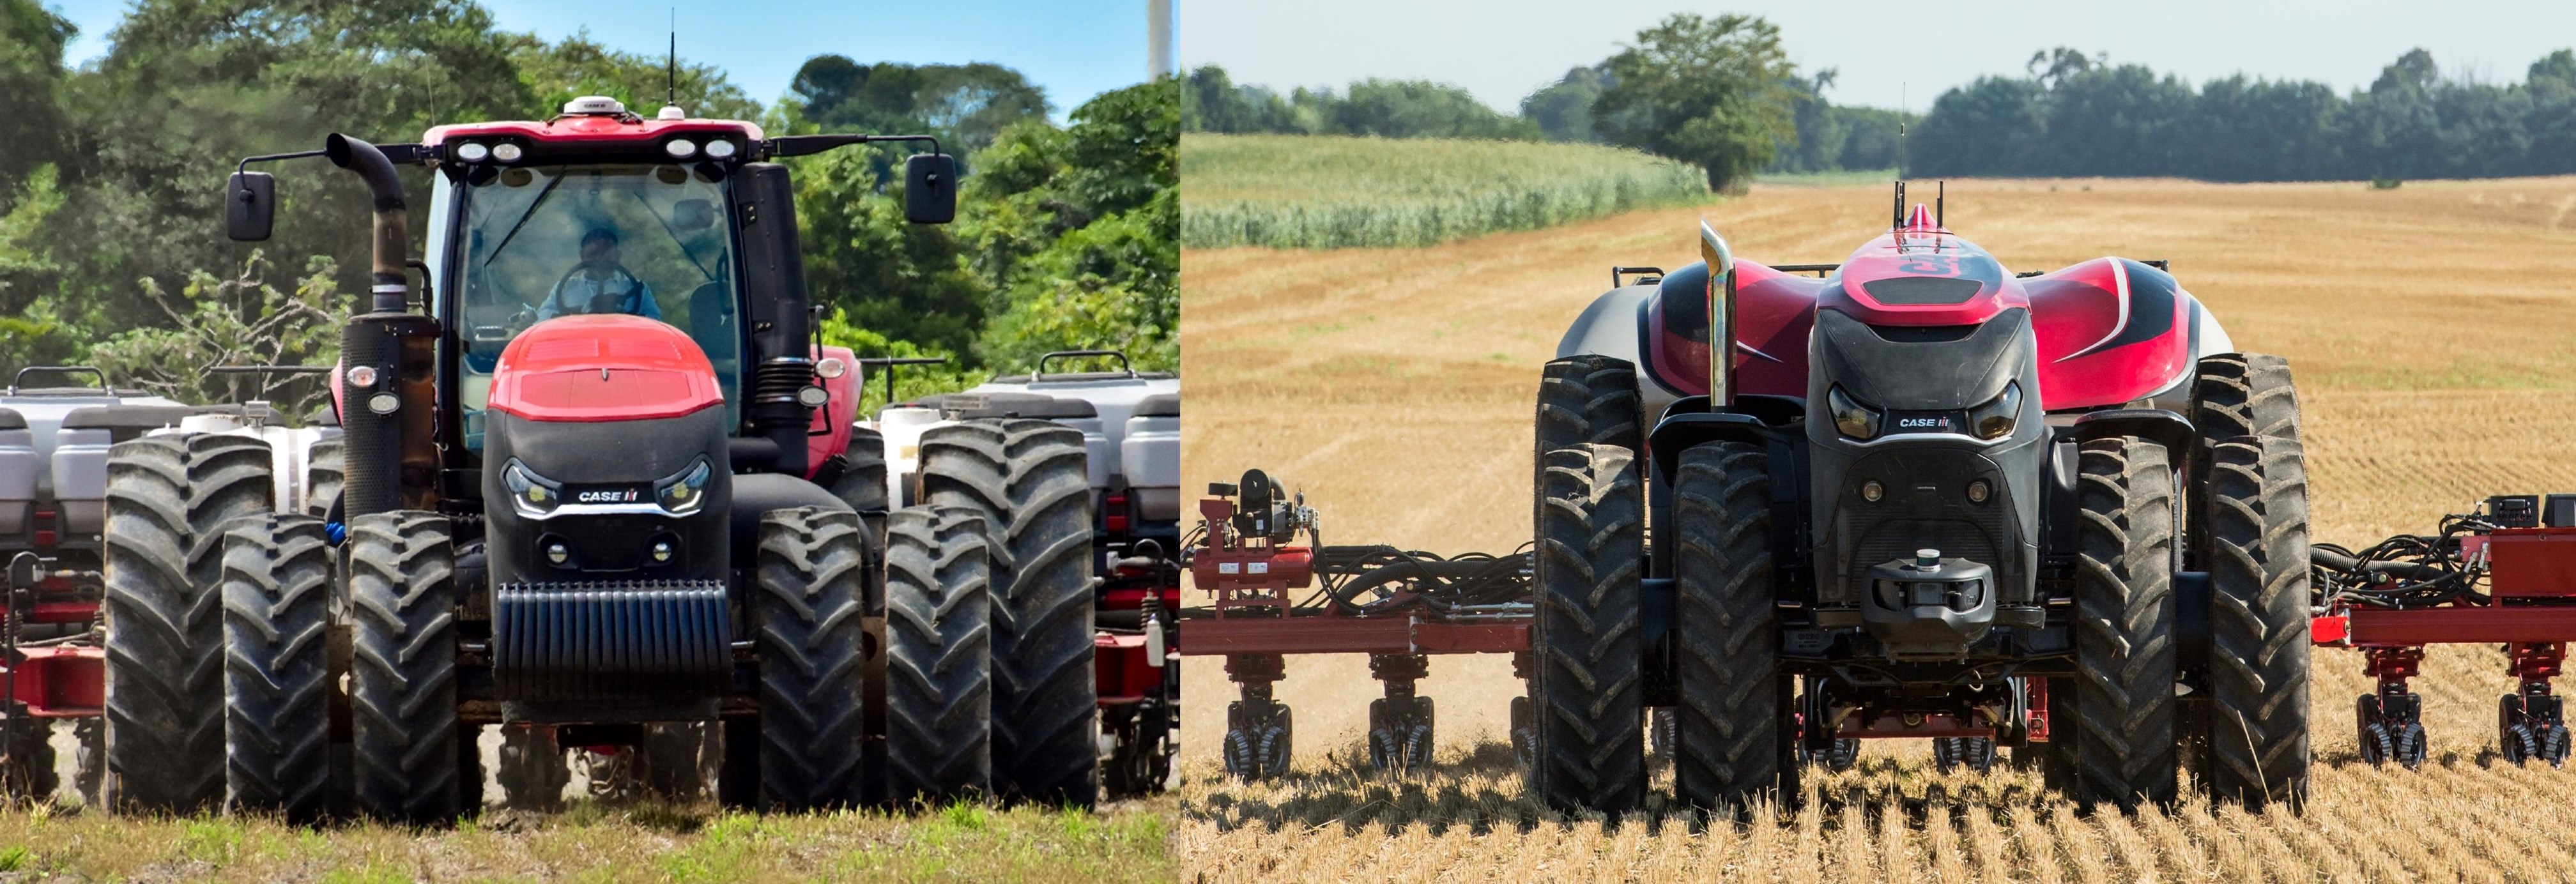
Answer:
(250, 206)
(930, 188)
(693, 215)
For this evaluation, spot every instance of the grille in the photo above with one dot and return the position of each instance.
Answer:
(610, 640)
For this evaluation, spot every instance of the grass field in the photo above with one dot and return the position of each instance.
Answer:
(2433, 329)
(602, 842)
(1298, 191)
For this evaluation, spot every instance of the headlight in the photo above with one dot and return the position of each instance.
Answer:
(1994, 420)
(1854, 419)
(684, 493)
(532, 494)
(473, 152)
(680, 148)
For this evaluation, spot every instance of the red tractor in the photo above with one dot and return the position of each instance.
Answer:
(599, 490)
(1919, 496)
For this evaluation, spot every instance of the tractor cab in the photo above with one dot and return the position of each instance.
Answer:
(570, 231)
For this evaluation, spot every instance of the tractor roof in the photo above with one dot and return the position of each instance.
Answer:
(594, 121)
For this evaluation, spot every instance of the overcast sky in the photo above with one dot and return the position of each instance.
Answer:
(1887, 52)
(1073, 48)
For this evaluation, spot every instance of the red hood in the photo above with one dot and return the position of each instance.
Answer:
(603, 367)
(1923, 276)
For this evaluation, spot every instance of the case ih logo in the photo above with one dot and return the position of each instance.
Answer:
(1923, 423)
(620, 495)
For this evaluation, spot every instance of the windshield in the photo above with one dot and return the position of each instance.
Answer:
(548, 241)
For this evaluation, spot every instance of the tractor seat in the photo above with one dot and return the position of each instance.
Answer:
(1159, 405)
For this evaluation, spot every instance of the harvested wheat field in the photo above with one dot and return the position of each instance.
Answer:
(2433, 330)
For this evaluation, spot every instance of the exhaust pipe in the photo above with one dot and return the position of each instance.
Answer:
(1721, 317)
(393, 226)
(386, 421)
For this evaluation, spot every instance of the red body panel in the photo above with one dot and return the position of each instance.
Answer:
(830, 434)
(2109, 331)
(603, 367)
(1774, 312)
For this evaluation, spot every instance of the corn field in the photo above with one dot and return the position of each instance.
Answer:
(1329, 192)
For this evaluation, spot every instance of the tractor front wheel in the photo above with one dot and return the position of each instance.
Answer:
(277, 672)
(403, 601)
(939, 663)
(1733, 722)
(812, 650)
(2123, 726)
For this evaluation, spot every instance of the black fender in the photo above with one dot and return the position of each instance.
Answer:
(2155, 425)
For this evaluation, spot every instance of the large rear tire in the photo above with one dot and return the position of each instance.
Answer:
(277, 671)
(2256, 751)
(1027, 479)
(939, 670)
(2125, 753)
(1732, 733)
(402, 680)
(812, 649)
(167, 497)
(1588, 642)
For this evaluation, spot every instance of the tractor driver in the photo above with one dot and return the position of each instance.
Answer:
(599, 284)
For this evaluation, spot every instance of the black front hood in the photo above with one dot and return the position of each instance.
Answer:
(616, 463)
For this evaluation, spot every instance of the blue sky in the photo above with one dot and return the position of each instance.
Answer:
(1073, 48)
(1889, 52)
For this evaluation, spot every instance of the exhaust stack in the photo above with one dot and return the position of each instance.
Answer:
(1721, 317)
(387, 378)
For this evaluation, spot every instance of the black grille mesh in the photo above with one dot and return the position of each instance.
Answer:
(610, 640)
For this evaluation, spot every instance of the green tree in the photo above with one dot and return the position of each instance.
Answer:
(31, 71)
(1707, 91)
(967, 105)
(1563, 109)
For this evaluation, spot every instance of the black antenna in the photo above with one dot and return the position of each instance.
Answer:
(1939, 190)
(1900, 204)
(671, 64)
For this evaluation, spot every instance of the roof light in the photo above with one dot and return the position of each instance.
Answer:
(720, 149)
(680, 148)
(473, 152)
(507, 153)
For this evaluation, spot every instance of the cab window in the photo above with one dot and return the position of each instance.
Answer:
(547, 241)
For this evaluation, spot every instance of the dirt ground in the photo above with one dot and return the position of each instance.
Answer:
(2430, 328)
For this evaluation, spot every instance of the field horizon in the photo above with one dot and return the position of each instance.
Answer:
(2429, 326)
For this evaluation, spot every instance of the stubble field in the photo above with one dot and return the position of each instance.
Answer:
(2433, 332)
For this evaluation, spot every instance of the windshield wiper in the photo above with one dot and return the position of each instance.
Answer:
(530, 212)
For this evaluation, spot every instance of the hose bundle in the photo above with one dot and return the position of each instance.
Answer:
(2405, 571)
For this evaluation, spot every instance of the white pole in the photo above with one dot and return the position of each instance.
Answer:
(1158, 39)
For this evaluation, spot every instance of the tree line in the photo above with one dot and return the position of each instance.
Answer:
(2077, 114)
(111, 248)
(1720, 93)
